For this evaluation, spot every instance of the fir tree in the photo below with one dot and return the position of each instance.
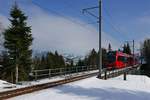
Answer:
(92, 59)
(109, 47)
(128, 49)
(124, 48)
(17, 41)
(146, 51)
(80, 63)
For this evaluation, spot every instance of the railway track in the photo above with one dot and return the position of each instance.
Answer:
(29, 89)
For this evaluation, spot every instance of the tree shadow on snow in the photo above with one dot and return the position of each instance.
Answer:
(104, 94)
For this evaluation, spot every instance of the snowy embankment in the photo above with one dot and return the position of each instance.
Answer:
(5, 85)
(135, 88)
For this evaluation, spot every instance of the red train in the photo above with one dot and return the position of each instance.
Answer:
(117, 60)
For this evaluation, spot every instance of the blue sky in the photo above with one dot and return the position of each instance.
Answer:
(122, 20)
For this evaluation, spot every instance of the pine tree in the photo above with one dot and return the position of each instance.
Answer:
(128, 49)
(93, 57)
(80, 63)
(17, 41)
(146, 51)
(124, 48)
(51, 60)
(109, 47)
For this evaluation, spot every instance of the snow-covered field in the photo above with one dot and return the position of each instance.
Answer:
(135, 88)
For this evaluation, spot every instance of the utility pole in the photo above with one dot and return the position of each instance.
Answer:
(99, 18)
(100, 32)
(133, 53)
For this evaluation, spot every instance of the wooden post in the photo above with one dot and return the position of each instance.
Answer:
(35, 75)
(60, 71)
(49, 73)
(125, 76)
(105, 74)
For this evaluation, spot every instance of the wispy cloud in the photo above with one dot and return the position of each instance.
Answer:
(53, 32)
(4, 21)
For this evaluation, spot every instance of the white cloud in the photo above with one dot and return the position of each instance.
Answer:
(144, 19)
(3, 24)
(4, 21)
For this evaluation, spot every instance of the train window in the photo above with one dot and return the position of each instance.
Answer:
(122, 58)
(111, 57)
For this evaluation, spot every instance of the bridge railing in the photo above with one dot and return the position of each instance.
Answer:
(113, 73)
(49, 73)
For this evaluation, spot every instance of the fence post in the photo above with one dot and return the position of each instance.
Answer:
(60, 71)
(49, 73)
(87, 68)
(65, 70)
(125, 76)
(76, 69)
(35, 75)
(105, 74)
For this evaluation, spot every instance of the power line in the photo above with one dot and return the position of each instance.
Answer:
(85, 10)
(61, 15)
(114, 26)
(70, 5)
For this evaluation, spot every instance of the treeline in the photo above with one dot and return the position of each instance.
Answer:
(48, 60)
(92, 59)
(145, 54)
(51, 60)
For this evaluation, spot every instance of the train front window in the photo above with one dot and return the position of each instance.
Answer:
(122, 58)
(111, 57)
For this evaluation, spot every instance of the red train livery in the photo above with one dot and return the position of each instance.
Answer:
(117, 60)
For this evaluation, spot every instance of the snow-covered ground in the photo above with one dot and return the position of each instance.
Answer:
(135, 88)
(5, 85)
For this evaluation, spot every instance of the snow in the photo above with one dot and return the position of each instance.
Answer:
(6, 85)
(136, 87)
